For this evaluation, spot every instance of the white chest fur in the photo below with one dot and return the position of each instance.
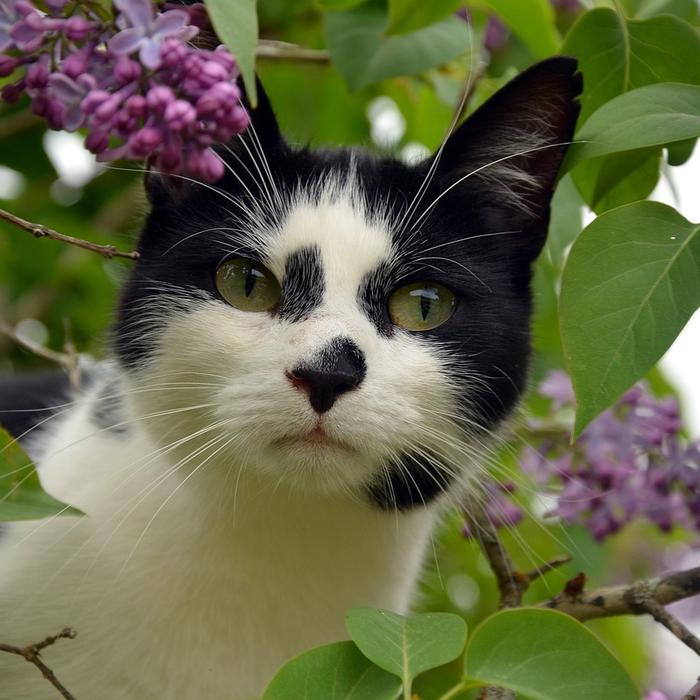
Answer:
(178, 589)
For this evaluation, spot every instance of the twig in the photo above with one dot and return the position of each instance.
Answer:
(285, 51)
(41, 231)
(511, 584)
(63, 359)
(645, 596)
(31, 654)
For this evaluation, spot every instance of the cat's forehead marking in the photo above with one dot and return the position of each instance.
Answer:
(347, 243)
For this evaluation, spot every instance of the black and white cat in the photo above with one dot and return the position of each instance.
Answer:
(307, 359)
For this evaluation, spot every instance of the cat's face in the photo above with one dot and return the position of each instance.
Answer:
(341, 322)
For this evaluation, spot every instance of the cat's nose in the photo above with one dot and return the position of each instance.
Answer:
(340, 367)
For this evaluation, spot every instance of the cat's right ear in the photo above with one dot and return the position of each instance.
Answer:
(262, 133)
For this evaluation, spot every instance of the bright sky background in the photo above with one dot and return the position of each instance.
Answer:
(682, 362)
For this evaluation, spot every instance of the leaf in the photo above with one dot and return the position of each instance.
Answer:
(407, 646)
(409, 15)
(21, 495)
(340, 4)
(545, 655)
(686, 9)
(617, 55)
(680, 152)
(617, 179)
(532, 21)
(364, 55)
(630, 284)
(565, 221)
(332, 672)
(236, 24)
(654, 115)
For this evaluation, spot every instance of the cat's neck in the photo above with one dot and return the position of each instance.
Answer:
(256, 565)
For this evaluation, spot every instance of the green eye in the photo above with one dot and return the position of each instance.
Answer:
(421, 306)
(247, 285)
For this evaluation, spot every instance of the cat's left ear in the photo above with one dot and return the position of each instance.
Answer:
(510, 149)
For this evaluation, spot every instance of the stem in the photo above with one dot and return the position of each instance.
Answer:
(41, 231)
(65, 360)
(456, 690)
(293, 52)
(31, 654)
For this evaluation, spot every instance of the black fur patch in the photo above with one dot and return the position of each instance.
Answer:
(29, 401)
(414, 481)
(303, 284)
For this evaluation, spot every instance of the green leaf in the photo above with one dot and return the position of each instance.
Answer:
(617, 179)
(630, 284)
(236, 23)
(565, 221)
(616, 55)
(409, 15)
(680, 152)
(407, 646)
(332, 672)
(545, 655)
(686, 9)
(364, 55)
(532, 21)
(654, 115)
(340, 4)
(21, 495)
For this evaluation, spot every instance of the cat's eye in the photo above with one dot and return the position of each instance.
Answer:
(247, 285)
(421, 306)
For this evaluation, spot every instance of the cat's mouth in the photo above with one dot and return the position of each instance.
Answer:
(314, 439)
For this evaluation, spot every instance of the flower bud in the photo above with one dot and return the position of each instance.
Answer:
(77, 28)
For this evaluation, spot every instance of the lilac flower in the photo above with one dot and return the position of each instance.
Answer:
(144, 33)
(631, 462)
(8, 16)
(495, 35)
(133, 83)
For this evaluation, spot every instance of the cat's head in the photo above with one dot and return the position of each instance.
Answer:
(341, 321)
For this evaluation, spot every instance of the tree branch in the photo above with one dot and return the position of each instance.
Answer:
(41, 231)
(65, 360)
(647, 596)
(31, 653)
(283, 50)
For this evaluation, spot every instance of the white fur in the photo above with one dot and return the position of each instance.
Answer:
(206, 562)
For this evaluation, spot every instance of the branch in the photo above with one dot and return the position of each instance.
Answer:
(41, 231)
(283, 50)
(31, 654)
(647, 596)
(512, 583)
(65, 360)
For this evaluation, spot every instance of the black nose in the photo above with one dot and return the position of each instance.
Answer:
(337, 369)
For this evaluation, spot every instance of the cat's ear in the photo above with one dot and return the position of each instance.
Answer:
(262, 133)
(510, 149)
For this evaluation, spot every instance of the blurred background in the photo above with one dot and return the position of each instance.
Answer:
(51, 294)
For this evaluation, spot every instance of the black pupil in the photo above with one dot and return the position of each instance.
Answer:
(251, 279)
(427, 297)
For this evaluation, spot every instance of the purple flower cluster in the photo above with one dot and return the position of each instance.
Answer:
(133, 82)
(631, 462)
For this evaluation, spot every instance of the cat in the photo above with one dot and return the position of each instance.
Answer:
(308, 359)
